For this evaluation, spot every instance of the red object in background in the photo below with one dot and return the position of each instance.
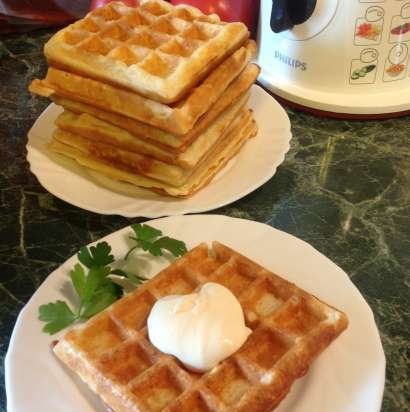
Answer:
(52, 11)
(99, 3)
(228, 10)
(24, 15)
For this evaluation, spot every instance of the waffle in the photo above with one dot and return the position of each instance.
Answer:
(157, 50)
(169, 142)
(177, 119)
(108, 141)
(141, 164)
(290, 328)
(215, 160)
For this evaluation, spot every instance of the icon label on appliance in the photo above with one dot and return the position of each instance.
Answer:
(364, 70)
(369, 29)
(290, 61)
(396, 63)
(400, 26)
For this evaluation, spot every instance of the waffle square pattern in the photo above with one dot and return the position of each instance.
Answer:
(290, 328)
(157, 50)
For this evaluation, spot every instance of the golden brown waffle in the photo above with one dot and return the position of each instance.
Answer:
(108, 141)
(157, 50)
(177, 119)
(214, 161)
(141, 164)
(172, 143)
(290, 328)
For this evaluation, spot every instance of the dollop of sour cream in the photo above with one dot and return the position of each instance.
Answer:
(200, 329)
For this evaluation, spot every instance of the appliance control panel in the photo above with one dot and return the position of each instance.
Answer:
(381, 43)
(349, 56)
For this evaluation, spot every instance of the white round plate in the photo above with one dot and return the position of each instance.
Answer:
(253, 166)
(347, 377)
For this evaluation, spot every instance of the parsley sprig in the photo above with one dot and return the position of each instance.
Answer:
(94, 289)
(91, 281)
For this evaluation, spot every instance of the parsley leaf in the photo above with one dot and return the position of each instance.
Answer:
(150, 247)
(57, 315)
(97, 277)
(147, 238)
(78, 278)
(176, 247)
(101, 299)
(95, 290)
(145, 232)
(98, 255)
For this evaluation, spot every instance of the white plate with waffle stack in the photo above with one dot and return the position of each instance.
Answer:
(252, 167)
(347, 377)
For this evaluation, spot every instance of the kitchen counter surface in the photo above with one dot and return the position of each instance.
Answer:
(344, 188)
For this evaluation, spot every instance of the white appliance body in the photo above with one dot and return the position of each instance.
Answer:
(350, 56)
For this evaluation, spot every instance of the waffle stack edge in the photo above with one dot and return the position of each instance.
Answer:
(154, 96)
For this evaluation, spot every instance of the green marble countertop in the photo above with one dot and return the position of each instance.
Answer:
(344, 188)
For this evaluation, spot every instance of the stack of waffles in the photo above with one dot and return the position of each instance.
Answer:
(155, 96)
(290, 328)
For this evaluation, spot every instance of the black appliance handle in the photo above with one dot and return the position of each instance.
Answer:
(286, 13)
